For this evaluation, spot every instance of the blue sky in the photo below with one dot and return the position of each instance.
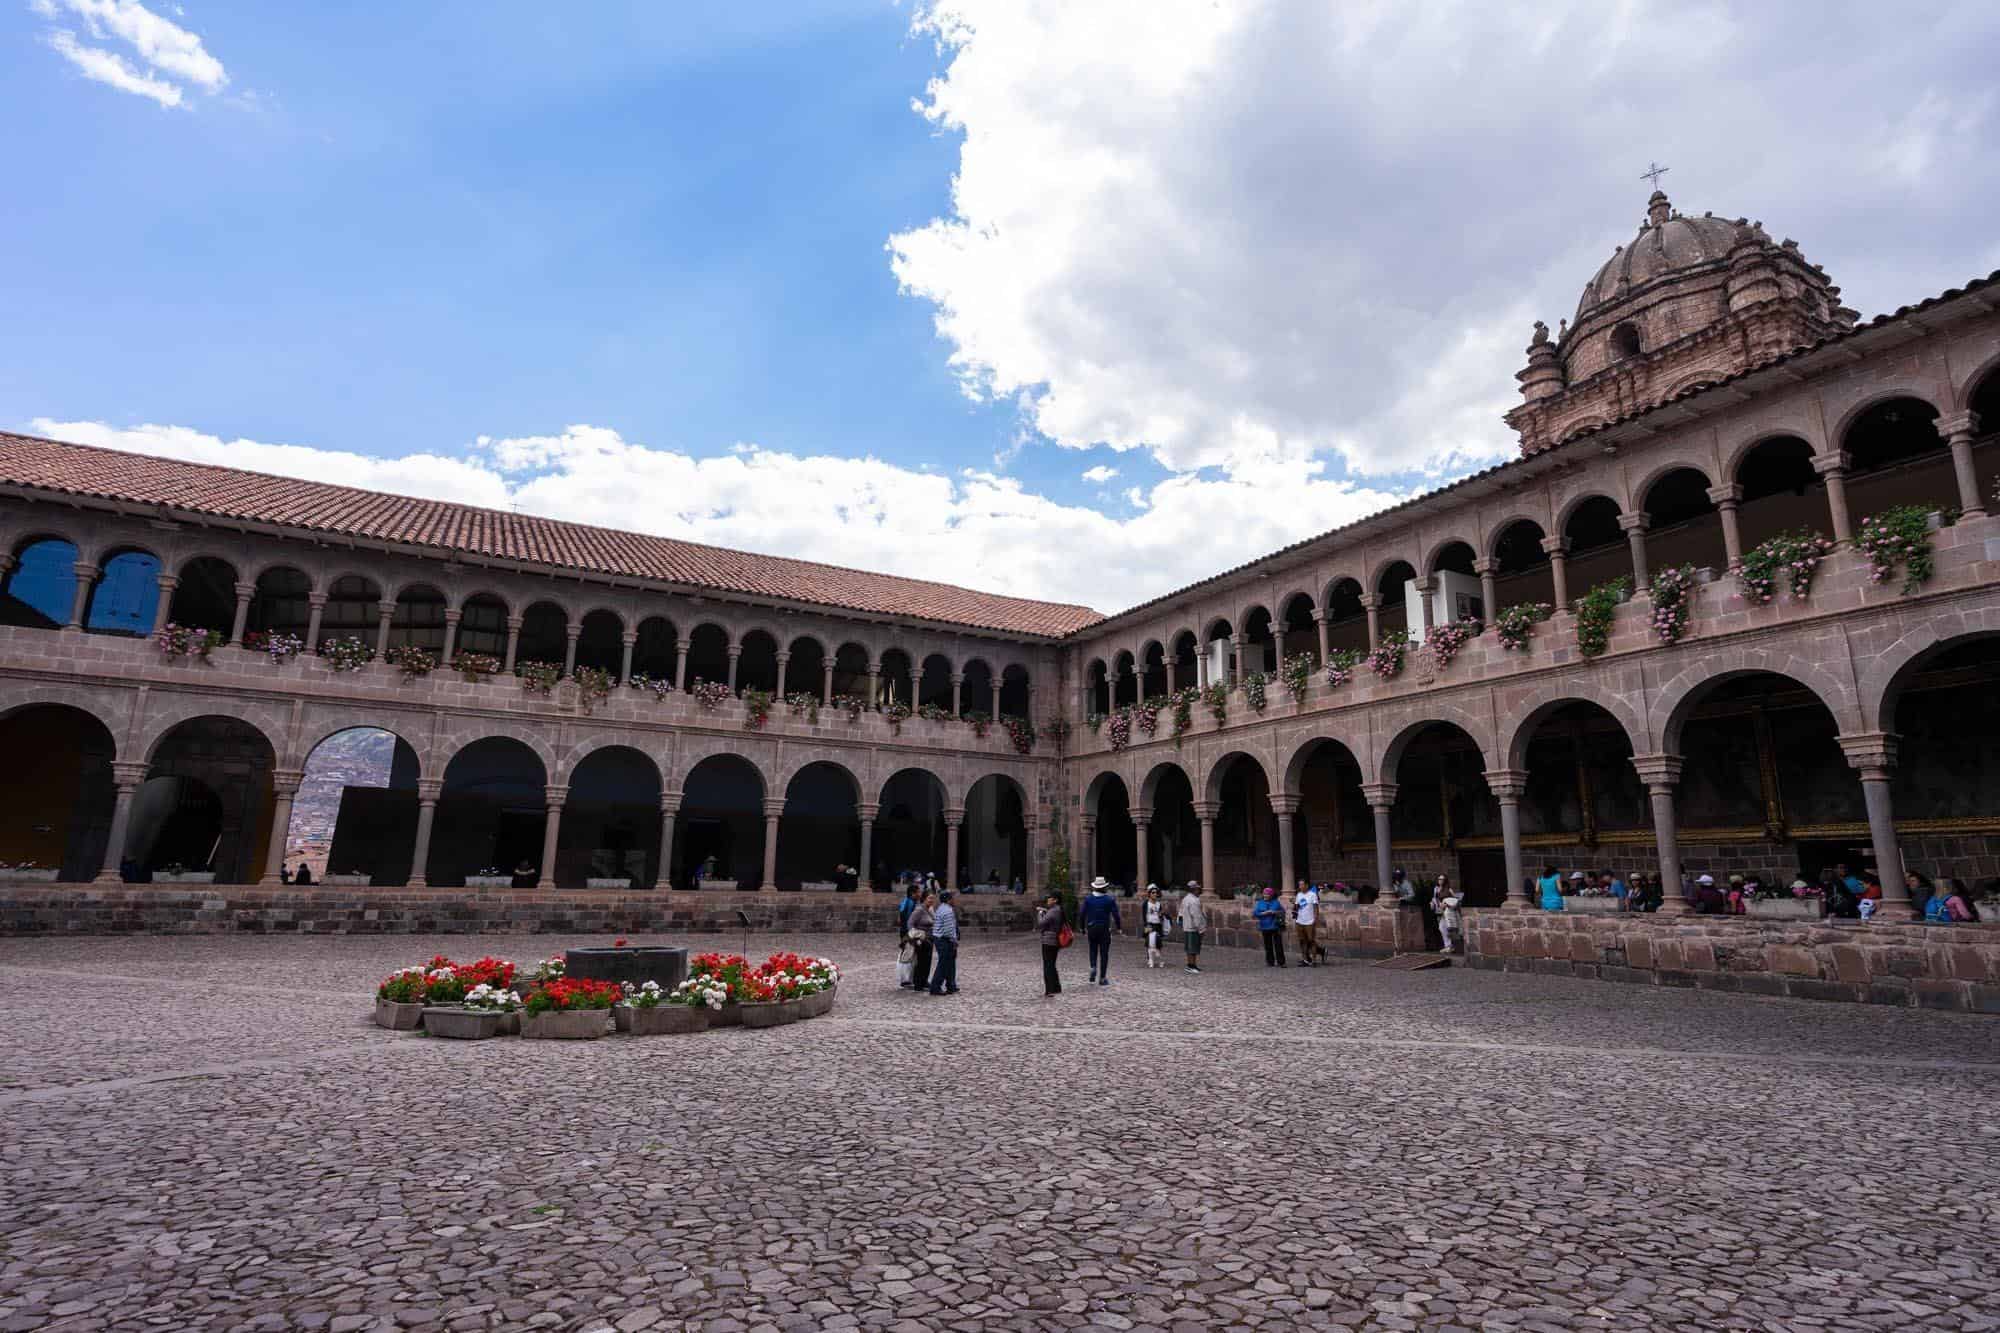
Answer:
(1130, 293)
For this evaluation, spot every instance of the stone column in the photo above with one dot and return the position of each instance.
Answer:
(1726, 499)
(774, 809)
(630, 639)
(513, 642)
(784, 660)
(874, 684)
(1873, 755)
(551, 829)
(1088, 825)
(1381, 798)
(1832, 466)
(1142, 823)
(1425, 587)
(384, 613)
(1205, 811)
(670, 805)
(735, 655)
(1171, 687)
(1508, 785)
(244, 592)
(1319, 622)
(953, 819)
(316, 607)
(128, 777)
(570, 636)
(957, 693)
(428, 792)
(1958, 431)
(284, 786)
(1557, 549)
(1635, 526)
(1371, 602)
(868, 810)
(681, 665)
(1284, 807)
(162, 608)
(86, 580)
(826, 684)
(916, 678)
(1489, 588)
(451, 619)
(1662, 773)
(995, 705)
(1235, 661)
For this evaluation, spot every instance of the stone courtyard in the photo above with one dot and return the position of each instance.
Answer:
(207, 1133)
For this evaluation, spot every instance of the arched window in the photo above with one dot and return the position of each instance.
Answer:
(41, 587)
(1624, 341)
(126, 596)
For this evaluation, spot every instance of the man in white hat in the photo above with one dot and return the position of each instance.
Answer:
(1100, 918)
(1709, 900)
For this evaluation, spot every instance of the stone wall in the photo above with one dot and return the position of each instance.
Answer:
(77, 909)
(1877, 962)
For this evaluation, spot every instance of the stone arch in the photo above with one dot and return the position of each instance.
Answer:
(110, 546)
(1094, 788)
(1567, 510)
(1643, 489)
(1381, 569)
(93, 704)
(1875, 397)
(1150, 784)
(1251, 608)
(1673, 700)
(570, 759)
(288, 561)
(320, 726)
(1524, 715)
(268, 720)
(790, 771)
(1392, 753)
(1209, 635)
(179, 565)
(1211, 782)
(1733, 456)
(1880, 686)
(699, 750)
(1489, 542)
(1304, 751)
(1438, 550)
(529, 736)
(814, 637)
(901, 768)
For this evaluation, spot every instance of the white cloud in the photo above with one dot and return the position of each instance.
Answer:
(174, 56)
(977, 529)
(1226, 230)
(1099, 474)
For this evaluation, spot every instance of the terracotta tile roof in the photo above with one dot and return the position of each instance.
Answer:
(254, 497)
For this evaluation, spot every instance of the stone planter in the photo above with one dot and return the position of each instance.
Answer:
(47, 876)
(621, 882)
(1786, 909)
(812, 1006)
(818, 886)
(1593, 906)
(510, 1024)
(566, 1025)
(621, 1017)
(669, 1020)
(770, 1013)
(461, 1024)
(489, 881)
(346, 881)
(1934, 521)
(728, 1016)
(398, 1017)
(184, 877)
(719, 885)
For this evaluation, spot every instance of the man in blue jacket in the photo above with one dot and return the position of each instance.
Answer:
(1100, 918)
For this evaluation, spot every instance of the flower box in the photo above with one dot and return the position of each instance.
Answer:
(770, 1013)
(665, 1020)
(608, 882)
(1786, 909)
(183, 877)
(398, 1017)
(461, 1024)
(728, 1016)
(815, 1004)
(489, 881)
(819, 886)
(1599, 905)
(720, 885)
(345, 881)
(24, 876)
(566, 1025)
(510, 1024)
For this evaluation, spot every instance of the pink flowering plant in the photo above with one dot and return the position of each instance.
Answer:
(475, 667)
(1253, 692)
(187, 640)
(1387, 659)
(1673, 597)
(277, 645)
(1297, 672)
(1515, 626)
(347, 653)
(979, 720)
(710, 694)
(411, 660)
(756, 709)
(1340, 667)
(1147, 714)
(799, 703)
(1594, 611)
(897, 712)
(1899, 538)
(1020, 731)
(657, 686)
(538, 677)
(1121, 728)
(1444, 641)
(1182, 702)
(851, 704)
(1791, 556)
(1216, 696)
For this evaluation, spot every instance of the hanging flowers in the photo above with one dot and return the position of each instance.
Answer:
(1216, 696)
(186, 640)
(538, 677)
(593, 686)
(935, 713)
(1297, 671)
(412, 661)
(1899, 536)
(898, 713)
(1121, 728)
(476, 667)
(1340, 667)
(1444, 641)
(804, 704)
(1516, 625)
(347, 653)
(1387, 659)
(756, 709)
(1182, 700)
(710, 694)
(1673, 593)
(1093, 721)
(658, 686)
(1020, 731)
(1593, 615)
(1253, 691)
(1793, 556)
(1147, 714)
(980, 722)
(279, 646)
(851, 704)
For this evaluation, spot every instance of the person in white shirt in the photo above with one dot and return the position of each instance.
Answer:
(1193, 922)
(1305, 910)
(1447, 901)
(1156, 925)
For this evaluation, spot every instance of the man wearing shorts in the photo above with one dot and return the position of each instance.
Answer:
(1193, 922)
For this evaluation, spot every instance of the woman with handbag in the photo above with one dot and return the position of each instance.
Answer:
(922, 917)
(1055, 938)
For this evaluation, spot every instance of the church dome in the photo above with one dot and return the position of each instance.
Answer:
(1667, 245)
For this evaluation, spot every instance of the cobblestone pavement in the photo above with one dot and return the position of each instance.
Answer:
(206, 1133)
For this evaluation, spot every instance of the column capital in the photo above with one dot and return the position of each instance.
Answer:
(1427, 583)
(958, 678)
(1658, 770)
(318, 601)
(83, 569)
(1379, 795)
(1370, 601)
(245, 591)
(1959, 425)
(555, 794)
(1485, 564)
(670, 802)
(129, 773)
(429, 789)
(1870, 750)
(774, 806)
(514, 621)
(385, 607)
(452, 615)
(1206, 811)
(1508, 785)
(1284, 804)
(167, 582)
(1319, 617)
(1142, 814)
(1089, 822)
(868, 810)
(784, 656)
(631, 637)
(1833, 460)
(1555, 546)
(954, 817)
(285, 781)
(735, 651)
(1638, 522)
(1725, 495)
(573, 631)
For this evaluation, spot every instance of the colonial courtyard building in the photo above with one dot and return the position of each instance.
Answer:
(1565, 659)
